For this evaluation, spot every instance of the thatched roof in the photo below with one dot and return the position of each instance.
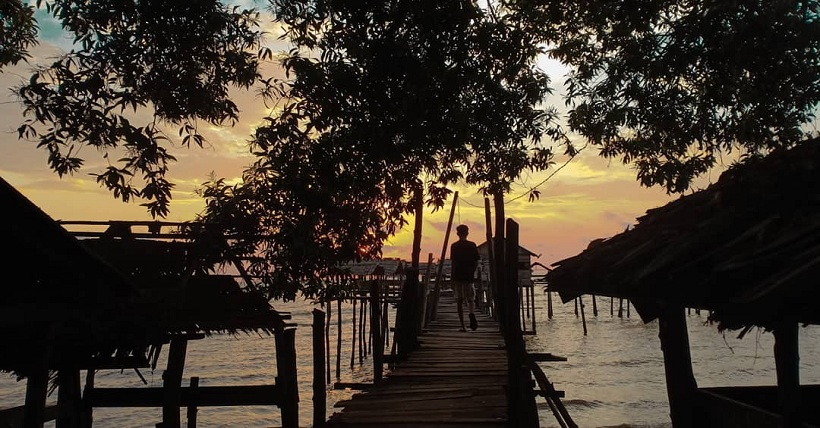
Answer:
(61, 303)
(178, 289)
(747, 248)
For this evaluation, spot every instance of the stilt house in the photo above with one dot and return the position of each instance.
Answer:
(746, 249)
(112, 302)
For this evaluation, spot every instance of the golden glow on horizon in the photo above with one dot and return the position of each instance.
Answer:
(589, 199)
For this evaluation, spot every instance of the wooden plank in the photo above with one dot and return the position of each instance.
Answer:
(454, 379)
(249, 395)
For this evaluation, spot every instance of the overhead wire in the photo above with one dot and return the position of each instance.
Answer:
(529, 191)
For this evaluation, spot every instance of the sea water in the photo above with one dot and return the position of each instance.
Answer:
(613, 376)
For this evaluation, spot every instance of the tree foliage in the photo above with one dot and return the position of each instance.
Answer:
(384, 100)
(176, 60)
(18, 31)
(669, 85)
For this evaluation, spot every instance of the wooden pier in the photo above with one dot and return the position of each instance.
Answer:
(453, 379)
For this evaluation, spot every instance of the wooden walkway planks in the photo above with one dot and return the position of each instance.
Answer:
(454, 379)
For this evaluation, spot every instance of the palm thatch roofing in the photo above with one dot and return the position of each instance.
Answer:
(177, 286)
(747, 248)
(62, 304)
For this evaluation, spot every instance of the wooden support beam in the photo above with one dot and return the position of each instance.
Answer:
(376, 330)
(200, 396)
(440, 270)
(192, 408)
(680, 380)
(69, 398)
(787, 364)
(319, 384)
(36, 390)
(172, 383)
(286, 378)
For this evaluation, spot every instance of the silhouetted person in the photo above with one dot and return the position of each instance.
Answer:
(464, 259)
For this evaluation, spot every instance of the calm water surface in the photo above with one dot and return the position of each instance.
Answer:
(613, 377)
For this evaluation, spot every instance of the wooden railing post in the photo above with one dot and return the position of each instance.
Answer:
(192, 407)
(522, 410)
(407, 321)
(68, 398)
(286, 377)
(376, 331)
(36, 391)
(172, 382)
(319, 384)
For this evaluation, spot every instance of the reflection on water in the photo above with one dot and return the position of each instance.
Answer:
(613, 376)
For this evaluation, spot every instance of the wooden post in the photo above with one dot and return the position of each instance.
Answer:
(192, 407)
(532, 305)
(522, 410)
(327, 338)
(493, 288)
(69, 398)
(549, 304)
(362, 318)
(375, 331)
(425, 294)
(286, 376)
(677, 361)
(620, 308)
(594, 306)
(36, 391)
(339, 335)
(88, 409)
(353, 329)
(407, 334)
(172, 383)
(787, 363)
(319, 385)
(580, 303)
(498, 245)
(440, 272)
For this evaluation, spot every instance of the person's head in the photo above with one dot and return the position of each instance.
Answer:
(462, 230)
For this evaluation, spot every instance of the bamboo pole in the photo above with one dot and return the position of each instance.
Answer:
(439, 274)
(488, 228)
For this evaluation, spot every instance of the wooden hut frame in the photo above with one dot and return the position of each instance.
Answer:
(747, 249)
(74, 310)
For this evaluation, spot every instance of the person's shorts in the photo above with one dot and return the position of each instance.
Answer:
(464, 290)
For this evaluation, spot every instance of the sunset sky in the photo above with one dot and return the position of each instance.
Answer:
(588, 199)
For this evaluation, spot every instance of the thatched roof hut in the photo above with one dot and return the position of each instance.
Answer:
(746, 248)
(63, 305)
(112, 302)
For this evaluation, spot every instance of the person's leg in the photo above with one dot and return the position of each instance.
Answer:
(469, 289)
(458, 289)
